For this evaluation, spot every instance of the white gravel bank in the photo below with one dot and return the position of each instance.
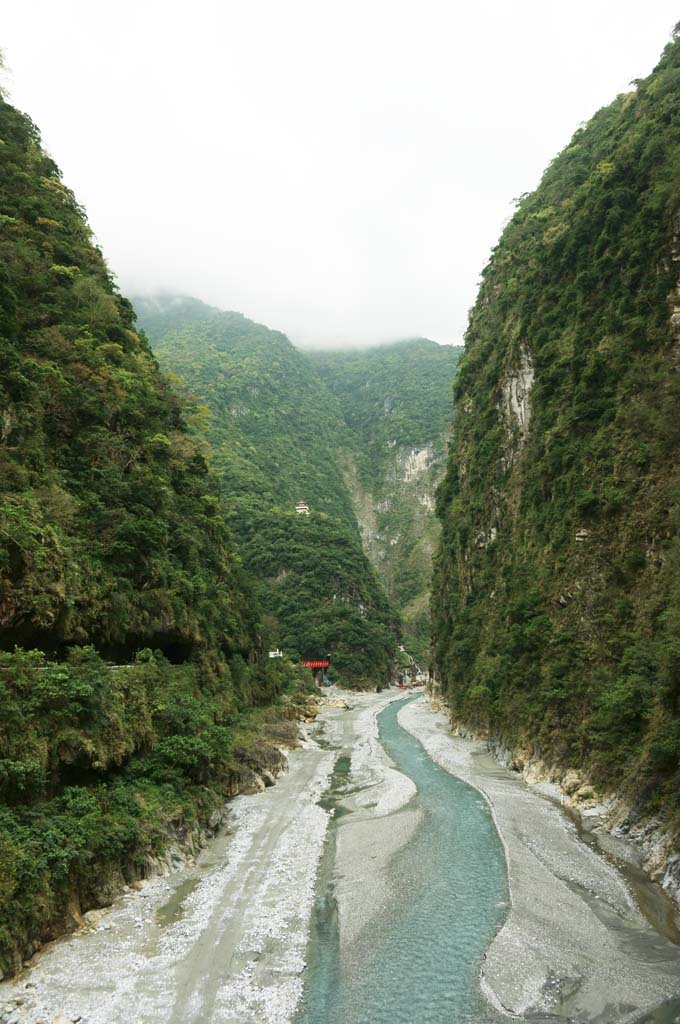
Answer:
(236, 948)
(574, 941)
(224, 941)
(381, 823)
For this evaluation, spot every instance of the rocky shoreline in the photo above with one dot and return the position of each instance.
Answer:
(218, 933)
(644, 839)
(574, 942)
(651, 846)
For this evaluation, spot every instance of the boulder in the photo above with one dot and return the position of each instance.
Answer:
(572, 781)
(251, 783)
(215, 820)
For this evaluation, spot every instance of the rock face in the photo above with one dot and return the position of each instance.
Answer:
(556, 595)
(515, 401)
(396, 404)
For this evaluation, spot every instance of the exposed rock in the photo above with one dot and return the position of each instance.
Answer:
(486, 537)
(337, 702)
(215, 820)
(515, 393)
(7, 421)
(74, 911)
(252, 783)
(413, 462)
(536, 771)
(571, 781)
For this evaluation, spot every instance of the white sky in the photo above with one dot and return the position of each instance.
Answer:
(338, 169)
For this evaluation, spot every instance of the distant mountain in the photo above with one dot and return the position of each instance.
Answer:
(395, 401)
(164, 312)
(275, 434)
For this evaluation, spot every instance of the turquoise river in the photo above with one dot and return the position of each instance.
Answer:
(420, 960)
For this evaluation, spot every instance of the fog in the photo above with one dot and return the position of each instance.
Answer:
(337, 169)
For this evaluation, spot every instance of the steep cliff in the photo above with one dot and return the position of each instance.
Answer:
(396, 404)
(112, 548)
(557, 587)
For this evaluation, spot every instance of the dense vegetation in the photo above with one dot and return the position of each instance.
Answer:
(396, 404)
(557, 588)
(112, 547)
(275, 433)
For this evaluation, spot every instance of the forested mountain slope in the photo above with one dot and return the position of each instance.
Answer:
(396, 404)
(275, 432)
(112, 546)
(557, 588)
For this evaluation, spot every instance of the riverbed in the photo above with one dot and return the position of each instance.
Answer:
(574, 944)
(394, 873)
(418, 957)
(490, 906)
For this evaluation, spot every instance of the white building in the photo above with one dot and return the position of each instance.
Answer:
(302, 508)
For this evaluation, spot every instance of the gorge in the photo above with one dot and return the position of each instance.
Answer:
(447, 889)
(195, 512)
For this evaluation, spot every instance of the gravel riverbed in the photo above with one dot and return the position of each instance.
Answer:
(224, 941)
(574, 942)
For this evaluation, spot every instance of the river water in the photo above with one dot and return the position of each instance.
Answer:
(420, 959)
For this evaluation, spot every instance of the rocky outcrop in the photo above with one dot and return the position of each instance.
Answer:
(412, 464)
(653, 846)
(515, 394)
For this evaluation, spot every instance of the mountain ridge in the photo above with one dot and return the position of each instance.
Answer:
(274, 429)
(384, 413)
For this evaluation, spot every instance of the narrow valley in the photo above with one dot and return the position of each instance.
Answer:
(446, 888)
(340, 667)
